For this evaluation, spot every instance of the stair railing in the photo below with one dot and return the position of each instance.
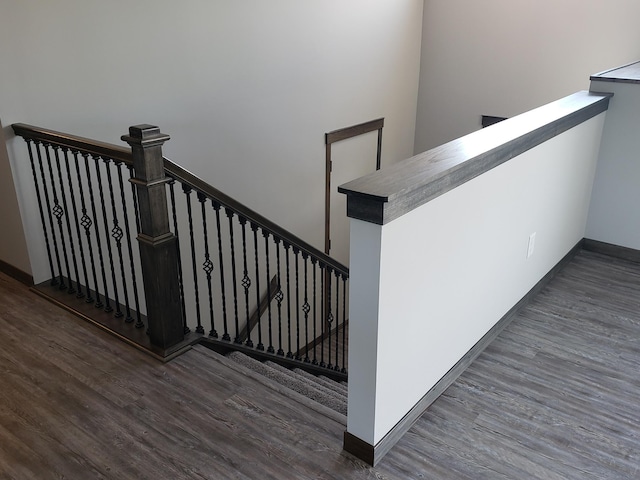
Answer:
(205, 261)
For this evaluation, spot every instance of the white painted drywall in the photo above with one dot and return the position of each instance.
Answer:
(13, 245)
(246, 89)
(613, 212)
(504, 57)
(450, 269)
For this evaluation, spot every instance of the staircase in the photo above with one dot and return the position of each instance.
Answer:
(319, 393)
(116, 220)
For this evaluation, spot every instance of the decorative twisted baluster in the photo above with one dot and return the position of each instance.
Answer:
(77, 224)
(125, 216)
(42, 220)
(225, 336)
(207, 266)
(86, 223)
(105, 221)
(279, 297)
(60, 281)
(59, 212)
(117, 234)
(99, 303)
(172, 193)
(246, 281)
(199, 329)
(65, 209)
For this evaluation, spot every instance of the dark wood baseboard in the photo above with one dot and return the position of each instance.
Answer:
(127, 332)
(372, 454)
(611, 250)
(14, 272)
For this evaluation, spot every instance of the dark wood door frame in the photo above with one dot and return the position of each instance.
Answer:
(336, 136)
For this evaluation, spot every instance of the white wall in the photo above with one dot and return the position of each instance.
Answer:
(246, 89)
(446, 272)
(613, 214)
(504, 57)
(13, 249)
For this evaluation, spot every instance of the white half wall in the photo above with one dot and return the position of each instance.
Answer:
(505, 57)
(13, 245)
(449, 270)
(613, 214)
(246, 89)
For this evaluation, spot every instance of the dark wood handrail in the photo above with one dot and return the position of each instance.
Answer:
(123, 154)
(92, 147)
(198, 184)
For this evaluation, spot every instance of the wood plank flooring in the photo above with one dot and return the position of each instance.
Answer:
(554, 396)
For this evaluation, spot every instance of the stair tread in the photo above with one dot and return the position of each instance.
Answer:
(312, 381)
(294, 384)
(324, 381)
(284, 390)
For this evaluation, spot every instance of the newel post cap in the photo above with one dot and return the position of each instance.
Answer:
(145, 135)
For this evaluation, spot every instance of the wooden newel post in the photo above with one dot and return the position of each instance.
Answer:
(158, 247)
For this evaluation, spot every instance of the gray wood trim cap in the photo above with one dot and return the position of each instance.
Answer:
(626, 74)
(387, 194)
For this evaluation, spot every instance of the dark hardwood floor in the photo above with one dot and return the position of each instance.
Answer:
(554, 396)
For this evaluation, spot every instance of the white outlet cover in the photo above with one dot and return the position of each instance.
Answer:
(532, 244)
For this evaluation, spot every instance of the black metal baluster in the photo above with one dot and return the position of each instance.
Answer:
(336, 365)
(105, 222)
(246, 281)
(323, 313)
(260, 345)
(99, 304)
(134, 195)
(287, 247)
(207, 266)
(172, 182)
(306, 308)
(344, 324)
(296, 252)
(127, 233)
(314, 262)
(65, 207)
(129, 248)
(86, 223)
(77, 224)
(279, 298)
(230, 215)
(60, 281)
(329, 320)
(199, 329)
(42, 220)
(225, 336)
(270, 348)
(59, 212)
(117, 234)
